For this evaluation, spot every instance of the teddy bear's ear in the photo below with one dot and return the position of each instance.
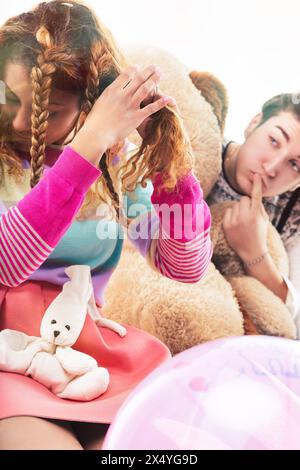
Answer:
(214, 92)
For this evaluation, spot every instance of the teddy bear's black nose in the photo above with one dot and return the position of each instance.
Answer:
(56, 333)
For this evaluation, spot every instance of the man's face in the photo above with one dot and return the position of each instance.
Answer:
(273, 151)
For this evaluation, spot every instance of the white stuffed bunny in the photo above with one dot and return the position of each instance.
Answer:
(50, 359)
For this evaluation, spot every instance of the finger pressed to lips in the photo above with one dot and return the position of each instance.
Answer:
(262, 178)
(256, 194)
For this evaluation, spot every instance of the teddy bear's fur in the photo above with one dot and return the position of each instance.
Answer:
(225, 302)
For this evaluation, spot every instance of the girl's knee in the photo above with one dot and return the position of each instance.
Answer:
(31, 433)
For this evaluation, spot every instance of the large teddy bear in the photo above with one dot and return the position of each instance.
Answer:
(225, 302)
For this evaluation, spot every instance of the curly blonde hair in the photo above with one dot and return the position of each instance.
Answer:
(65, 46)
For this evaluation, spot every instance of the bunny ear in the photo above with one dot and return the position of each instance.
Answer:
(101, 321)
(70, 271)
(80, 281)
(92, 308)
(77, 270)
(79, 274)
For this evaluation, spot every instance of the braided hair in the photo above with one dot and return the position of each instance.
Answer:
(41, 76)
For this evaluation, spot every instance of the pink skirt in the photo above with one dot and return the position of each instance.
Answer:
(127, 359)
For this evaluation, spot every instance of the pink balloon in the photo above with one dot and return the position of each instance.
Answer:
(237, 393)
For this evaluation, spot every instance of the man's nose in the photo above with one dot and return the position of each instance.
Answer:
(22, 121)
(272, 166)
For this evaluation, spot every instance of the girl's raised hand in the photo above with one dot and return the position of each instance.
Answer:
(118, 111)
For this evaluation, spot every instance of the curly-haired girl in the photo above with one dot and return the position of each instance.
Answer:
(70, 103)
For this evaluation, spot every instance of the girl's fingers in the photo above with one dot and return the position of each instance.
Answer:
(125, 78)
(141, 77)
(155, 95)
(156, 106)
(147, 92)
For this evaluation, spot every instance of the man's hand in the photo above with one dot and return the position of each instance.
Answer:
(246, 224)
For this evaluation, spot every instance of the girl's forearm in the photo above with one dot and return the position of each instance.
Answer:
(89, 146)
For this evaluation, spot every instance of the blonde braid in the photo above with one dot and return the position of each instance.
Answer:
(41, 76)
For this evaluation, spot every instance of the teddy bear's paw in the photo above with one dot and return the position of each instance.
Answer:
(111, 325)
(17, 360)
(193, 315)
(264, 312)
(43, 345)
(16, 340)
(88, 386)
(13, 361)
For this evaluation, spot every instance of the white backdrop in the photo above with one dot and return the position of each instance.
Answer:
(251, 45)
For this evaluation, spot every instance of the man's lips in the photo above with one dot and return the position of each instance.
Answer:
(263, 179)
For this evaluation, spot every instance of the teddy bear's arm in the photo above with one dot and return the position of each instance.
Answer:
(17, 350)
(75, 362)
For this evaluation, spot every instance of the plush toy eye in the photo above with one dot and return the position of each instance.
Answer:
(53, 321)
(68, 327)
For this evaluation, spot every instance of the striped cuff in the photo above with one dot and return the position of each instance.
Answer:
(22, 249)
(185, 262)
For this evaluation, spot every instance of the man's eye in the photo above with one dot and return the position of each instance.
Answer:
(273, 141)
(295, 166)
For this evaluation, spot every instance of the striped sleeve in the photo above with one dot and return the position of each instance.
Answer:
(183, 247)
(30, 231)
(185, 262)
(22, 250)
(175, 235)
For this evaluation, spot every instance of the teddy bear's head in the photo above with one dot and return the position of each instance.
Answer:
(202, 102)
(61, 326)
